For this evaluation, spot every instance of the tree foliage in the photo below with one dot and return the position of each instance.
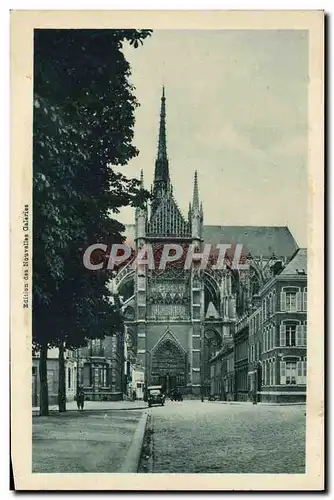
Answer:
(83, 127)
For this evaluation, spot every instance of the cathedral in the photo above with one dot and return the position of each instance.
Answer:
(176, 318)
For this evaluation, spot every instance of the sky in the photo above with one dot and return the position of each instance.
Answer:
(236, 105)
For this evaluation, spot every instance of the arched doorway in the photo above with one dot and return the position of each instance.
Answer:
(168, 366)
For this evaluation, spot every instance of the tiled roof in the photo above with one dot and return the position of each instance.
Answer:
(297, 264)
(258, 240)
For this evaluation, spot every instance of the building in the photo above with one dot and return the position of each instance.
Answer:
(181, 318)
(240, 344)
(255, 350)
(269, 344)
(222, 373)
(53, 377)
(283, 317)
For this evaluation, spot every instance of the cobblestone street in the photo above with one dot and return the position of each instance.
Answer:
(196, 437)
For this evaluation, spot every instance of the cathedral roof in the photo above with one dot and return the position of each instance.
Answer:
(167, 220)
(258, 240)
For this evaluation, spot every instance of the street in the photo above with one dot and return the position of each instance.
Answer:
(196, 437)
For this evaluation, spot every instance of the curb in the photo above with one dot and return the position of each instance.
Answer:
(249, 403)
(35, 413)
(132, 459)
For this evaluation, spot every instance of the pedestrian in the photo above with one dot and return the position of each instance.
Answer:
(134, 395)
(80, 399)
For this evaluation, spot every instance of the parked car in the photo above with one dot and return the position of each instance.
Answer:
(155, 395)
(213, 397)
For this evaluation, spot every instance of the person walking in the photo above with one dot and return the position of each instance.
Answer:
(80, 399)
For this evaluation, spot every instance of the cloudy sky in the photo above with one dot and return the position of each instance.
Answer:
(236, 113)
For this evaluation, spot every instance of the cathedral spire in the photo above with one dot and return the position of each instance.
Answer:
(142, 179)
(161, 173)
(161, 164)
(195, 194)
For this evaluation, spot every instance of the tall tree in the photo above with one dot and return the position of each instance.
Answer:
(83, 126)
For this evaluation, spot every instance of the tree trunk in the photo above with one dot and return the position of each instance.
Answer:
(62, 380)
(43, 382)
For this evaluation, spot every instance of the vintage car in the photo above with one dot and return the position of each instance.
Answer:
(155, 395)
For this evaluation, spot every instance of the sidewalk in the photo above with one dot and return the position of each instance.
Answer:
(98, 405)
(259, 403)
(88, 441)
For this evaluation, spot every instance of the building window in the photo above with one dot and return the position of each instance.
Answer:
(271, 372)
(288, 373)
(291, 373)
(273, 335)
(291, 300)
(274, 302)
(69, 381)
(288, 334)
(274, 371)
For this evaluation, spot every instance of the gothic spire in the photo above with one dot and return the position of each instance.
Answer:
(195, 194)
(161, 173)
(161, 164)
(142, 179)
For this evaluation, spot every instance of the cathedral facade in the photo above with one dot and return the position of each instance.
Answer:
(177, 318)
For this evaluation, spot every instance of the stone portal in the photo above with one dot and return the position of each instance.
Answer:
(168, 365)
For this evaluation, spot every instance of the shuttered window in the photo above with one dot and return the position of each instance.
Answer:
(291, 373)
(305, 299)
(301, 372)
(282, 373)
(274, 336)
(282, 336)
(283, 301)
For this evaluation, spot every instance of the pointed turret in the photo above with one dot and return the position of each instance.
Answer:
(141, 213)
(189, 212)
(196, 212)
(195, 194)
(161, 172)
